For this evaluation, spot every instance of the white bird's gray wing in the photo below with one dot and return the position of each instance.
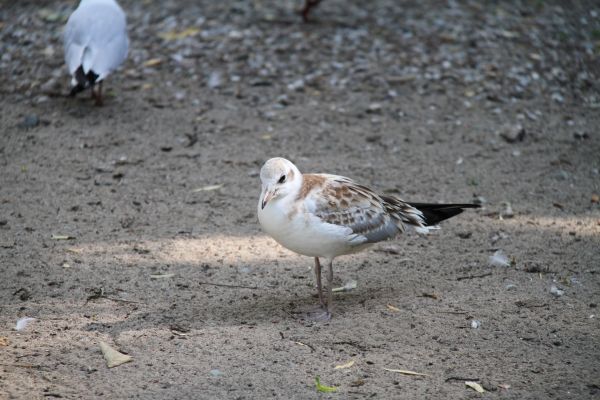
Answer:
(372, 218)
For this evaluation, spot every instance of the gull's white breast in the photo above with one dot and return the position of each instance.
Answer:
(292, 226)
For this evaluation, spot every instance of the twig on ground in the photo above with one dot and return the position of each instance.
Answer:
(229, 286)
(460, 378)
(460, 278)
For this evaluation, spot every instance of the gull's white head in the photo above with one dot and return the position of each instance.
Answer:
(279, 178)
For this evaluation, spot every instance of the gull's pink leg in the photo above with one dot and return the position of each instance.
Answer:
(308, 4)
(319, 285)
(330, 288)
(99, 101)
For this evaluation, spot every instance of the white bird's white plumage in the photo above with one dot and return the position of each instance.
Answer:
(95, 38)
(322, 215)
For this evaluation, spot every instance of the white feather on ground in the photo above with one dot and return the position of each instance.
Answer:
(95, 38)
(23, 322)
(499, 259)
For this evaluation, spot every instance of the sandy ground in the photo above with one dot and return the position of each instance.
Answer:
(432, 101)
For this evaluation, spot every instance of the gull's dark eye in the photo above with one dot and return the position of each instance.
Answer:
(282, 179)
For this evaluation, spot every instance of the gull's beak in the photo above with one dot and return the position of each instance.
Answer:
(268, 196)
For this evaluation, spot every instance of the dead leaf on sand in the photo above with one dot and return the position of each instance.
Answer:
(207, 188)
(174, 35)
(405, 372)
(113, 357)
(152, 62)
(3, 341)
(346, 365)
(392, 308)
(475, 386)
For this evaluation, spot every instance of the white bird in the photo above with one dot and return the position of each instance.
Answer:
(322, 215)
(96, 43)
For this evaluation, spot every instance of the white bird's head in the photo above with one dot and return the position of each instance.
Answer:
(279, 178)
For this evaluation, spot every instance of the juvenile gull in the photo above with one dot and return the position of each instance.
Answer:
(96, 43)
(325, 216)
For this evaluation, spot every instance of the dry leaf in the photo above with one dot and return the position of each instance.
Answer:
(347, 365)
(113, 358)
(62, 237)
(595, 198)
(152, 62)
(207, 188)
(392, 308)
(3, 341)
(173, 35)
(23, 322)
(475, 386)
(161, 276)
(406, 372)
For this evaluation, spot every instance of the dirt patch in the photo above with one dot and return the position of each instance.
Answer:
(157, 191)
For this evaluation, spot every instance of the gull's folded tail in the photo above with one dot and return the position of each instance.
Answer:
(434, 213)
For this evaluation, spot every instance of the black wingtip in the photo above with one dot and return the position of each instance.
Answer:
(435, 213)
(83, 80)
(76, 89)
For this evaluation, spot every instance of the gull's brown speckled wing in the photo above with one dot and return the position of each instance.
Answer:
(340, 201)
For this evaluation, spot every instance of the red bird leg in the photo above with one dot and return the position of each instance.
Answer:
(308, 4)
(99, 101)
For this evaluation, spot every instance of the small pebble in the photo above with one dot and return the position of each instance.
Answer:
(556, 291)
(30, 121)
(562, 175)
(296, 86)
(479, 200)
(374, 108)
(513, 133)
(508, 211)
(214, 80)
